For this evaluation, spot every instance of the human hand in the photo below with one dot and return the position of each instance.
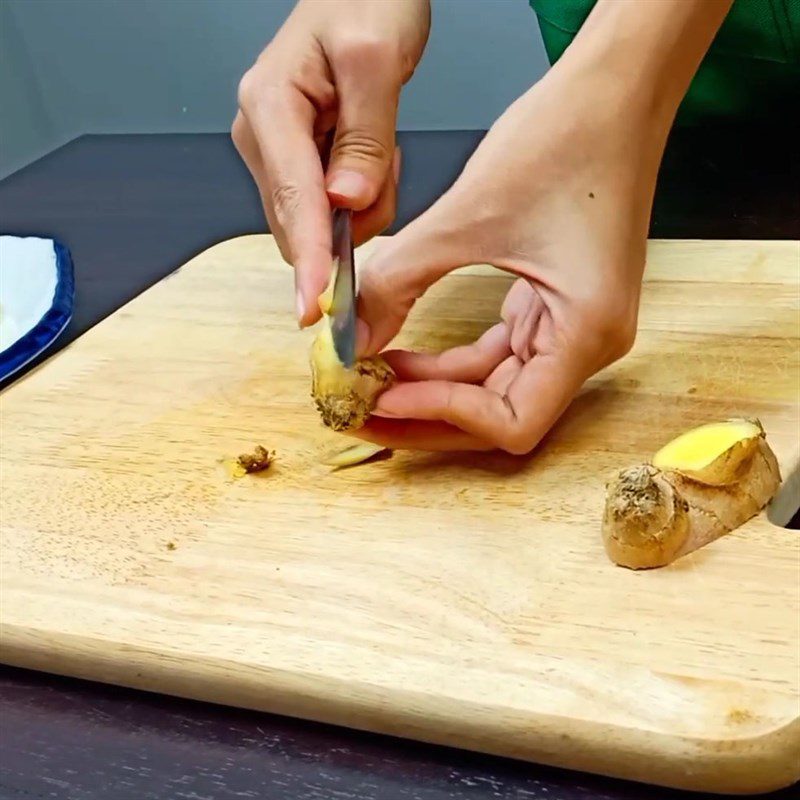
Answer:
(558, 193)
(316, 125)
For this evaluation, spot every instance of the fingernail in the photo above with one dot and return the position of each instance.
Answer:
(348, 184)
(300, 307)
(379, 412)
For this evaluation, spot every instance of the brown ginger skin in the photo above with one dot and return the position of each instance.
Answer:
(344, 397)
(348, 406)
(644, 524)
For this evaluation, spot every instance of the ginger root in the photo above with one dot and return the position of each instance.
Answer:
(344, 397)
(700, 486)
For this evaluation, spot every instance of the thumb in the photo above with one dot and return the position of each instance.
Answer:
(401, 271)
(363, 145)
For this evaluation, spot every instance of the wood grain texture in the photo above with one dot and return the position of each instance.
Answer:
(462, 599)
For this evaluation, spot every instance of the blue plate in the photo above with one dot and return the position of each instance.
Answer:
(37, 292)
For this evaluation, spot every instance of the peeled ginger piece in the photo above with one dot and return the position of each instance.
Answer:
(345, 397)
(713, 453)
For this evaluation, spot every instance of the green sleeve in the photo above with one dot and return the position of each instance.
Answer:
(750, 73)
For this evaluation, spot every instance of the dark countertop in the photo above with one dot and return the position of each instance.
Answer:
(133, 208)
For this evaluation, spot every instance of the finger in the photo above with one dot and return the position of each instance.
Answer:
(408, 434)
(363, 147)
(325, 121)
(282, 122)
(504, 375)
(324, 142)
(515, 421)
(247, 147)
(471, 363)
(540, 394)
(522, 309)
(517, 301)
(379, 216)
(474, 409)
(245, 141)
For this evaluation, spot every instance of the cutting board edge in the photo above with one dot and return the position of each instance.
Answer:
(762, 762)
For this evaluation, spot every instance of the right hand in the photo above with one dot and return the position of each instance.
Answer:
(335, 69)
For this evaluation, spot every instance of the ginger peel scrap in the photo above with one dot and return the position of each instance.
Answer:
(354, 454)
(257, 461)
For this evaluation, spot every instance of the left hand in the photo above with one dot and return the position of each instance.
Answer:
(558, 193)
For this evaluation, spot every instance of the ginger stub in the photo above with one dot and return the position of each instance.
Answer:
(344, 397)
(700, 486)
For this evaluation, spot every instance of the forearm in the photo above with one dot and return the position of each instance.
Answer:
(620, 82)
(643, 56)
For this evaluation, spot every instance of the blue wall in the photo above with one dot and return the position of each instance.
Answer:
(70, 67)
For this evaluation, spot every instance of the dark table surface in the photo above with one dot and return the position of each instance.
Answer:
(133, 208)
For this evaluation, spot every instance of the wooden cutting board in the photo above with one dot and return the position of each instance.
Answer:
(460, 599)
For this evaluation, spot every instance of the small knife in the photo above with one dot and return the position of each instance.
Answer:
(343, 307)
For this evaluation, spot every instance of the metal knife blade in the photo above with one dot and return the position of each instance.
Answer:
(343, 307)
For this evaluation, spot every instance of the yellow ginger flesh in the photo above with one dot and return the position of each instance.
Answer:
(696, 449)
(345, 397)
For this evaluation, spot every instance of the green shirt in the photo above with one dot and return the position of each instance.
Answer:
(750, 73)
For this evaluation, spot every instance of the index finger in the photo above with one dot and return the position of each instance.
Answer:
(515, 421)
(412, 434)
(295, 196)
